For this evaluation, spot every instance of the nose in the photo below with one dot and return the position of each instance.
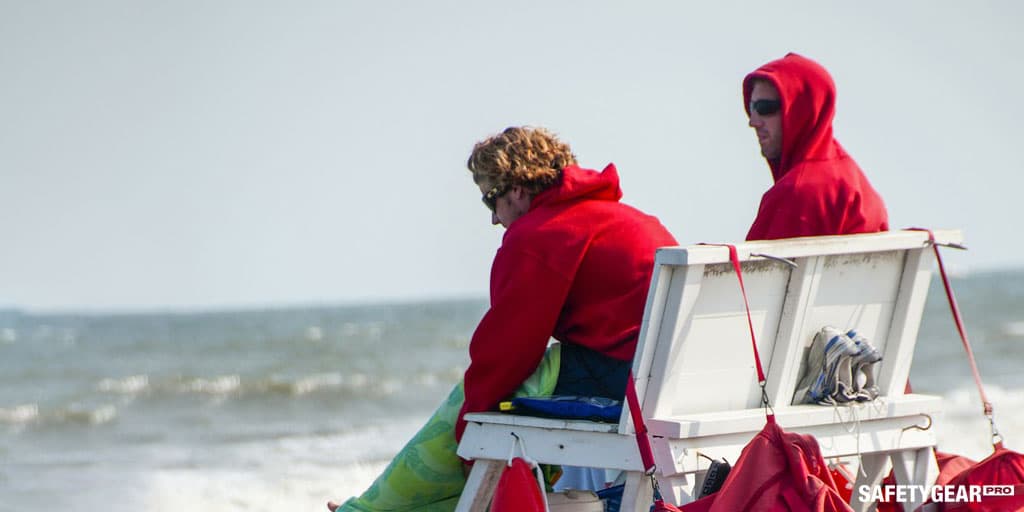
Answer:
(755, 120)
(494, 218)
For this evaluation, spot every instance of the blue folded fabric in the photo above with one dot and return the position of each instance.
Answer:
(593, 408)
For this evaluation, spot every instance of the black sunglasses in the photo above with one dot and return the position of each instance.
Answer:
(765, 107)
(490, 199)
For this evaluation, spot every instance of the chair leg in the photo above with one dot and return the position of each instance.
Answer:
(915, 467)
(872, 469)
(677, 489)
(483, 478)
(638, 494)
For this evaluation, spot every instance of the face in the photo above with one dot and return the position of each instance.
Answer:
(767, 126)
(509, 205)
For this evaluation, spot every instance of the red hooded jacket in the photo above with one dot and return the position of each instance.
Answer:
(577, 267)
(819, 189)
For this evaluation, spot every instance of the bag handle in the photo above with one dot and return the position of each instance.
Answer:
(534, 467)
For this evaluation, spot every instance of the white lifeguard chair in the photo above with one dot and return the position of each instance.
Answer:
(695, 372)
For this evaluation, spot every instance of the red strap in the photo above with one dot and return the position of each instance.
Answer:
(644, 443)
(734, 258)
(646, 454)
(955, 309)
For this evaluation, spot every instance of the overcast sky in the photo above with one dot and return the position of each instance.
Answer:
(201, 154)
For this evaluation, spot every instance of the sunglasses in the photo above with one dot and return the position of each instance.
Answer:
(490, 199)
(765, 107)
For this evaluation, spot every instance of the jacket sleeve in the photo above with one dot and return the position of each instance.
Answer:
(527, 296)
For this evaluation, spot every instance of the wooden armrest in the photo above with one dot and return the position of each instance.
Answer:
(518, 420)
(794, 416)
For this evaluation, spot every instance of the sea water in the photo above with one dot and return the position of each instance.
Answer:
(283, 409)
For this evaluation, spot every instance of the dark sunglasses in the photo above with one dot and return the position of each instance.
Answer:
(765, 107)
(490, 199)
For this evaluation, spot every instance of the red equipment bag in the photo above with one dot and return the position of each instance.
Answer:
(520, 488)
(1003, 469)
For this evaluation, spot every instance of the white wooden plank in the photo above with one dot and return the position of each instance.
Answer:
(551, 446)
(792, 338)
(663, 357)
(638, 495)
(483, 478)
(902, 336)
(678, 456)
(804, 247)
(915, 467)
(517, 420)
(714, 423)
(654, 311)
(873, 467)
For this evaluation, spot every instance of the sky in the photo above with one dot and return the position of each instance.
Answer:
(197, 155)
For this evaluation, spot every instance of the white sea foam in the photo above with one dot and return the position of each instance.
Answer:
(316, 382)
(265, 491)
(349, 329)
(963, 429)
(295, 473)
(358, 380)
(222, 385)
(314, 333)
(19, 414)
(93, 416)
(374, 331)
(1015, 329)
(127, 386)
(8, 335)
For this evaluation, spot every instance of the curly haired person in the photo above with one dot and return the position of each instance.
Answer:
(574, 264)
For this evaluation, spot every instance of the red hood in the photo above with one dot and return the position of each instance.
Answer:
(578, 183)
(808, 97)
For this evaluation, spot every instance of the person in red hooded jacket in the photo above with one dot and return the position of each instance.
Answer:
(819, 189)
(575, 264)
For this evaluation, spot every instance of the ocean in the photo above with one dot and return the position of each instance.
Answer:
(283, 409)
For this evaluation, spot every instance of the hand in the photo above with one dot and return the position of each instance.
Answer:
(332, 506)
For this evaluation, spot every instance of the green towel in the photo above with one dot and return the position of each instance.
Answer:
(427, 475)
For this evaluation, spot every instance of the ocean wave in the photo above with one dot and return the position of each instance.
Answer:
(314, 333)
(126, 386)
(19, 414)
(90, 416)
(222, 385)
(1013, 329)
(76, 413)
(306, 385)
(354, 383)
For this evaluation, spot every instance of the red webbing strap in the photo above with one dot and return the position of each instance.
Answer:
(735, 260)
(955, 309)
(642, 442)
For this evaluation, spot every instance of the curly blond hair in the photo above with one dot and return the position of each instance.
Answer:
(532, 158)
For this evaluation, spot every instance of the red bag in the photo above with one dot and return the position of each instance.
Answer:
(1003, 467)
(520, 488)
(950, 465)
(776, 471)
